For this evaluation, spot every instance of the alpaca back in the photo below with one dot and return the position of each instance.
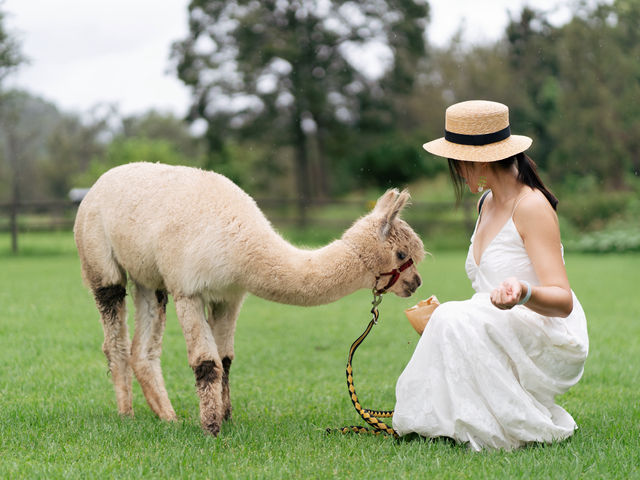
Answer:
(179, 228)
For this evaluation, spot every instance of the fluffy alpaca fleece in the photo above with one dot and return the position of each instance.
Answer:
(198, 237)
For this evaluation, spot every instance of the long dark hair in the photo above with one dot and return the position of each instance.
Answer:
(527, 174)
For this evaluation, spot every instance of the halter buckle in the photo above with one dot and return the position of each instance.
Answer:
(377, 300)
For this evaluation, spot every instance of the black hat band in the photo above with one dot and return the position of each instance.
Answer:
(483, 139)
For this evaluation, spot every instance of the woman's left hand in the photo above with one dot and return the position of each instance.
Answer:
(507, 295)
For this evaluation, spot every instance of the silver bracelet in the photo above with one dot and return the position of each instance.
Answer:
(527, 297)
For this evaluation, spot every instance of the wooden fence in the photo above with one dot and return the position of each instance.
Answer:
(424, 217)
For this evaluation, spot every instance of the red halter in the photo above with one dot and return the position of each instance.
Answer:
(395, 275)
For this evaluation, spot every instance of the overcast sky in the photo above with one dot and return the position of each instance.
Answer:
(86, 52)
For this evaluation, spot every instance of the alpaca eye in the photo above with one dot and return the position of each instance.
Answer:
(401, 255)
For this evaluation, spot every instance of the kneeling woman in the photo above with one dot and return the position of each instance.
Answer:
(486, 370)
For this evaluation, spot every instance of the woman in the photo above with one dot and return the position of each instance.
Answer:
(486, 370)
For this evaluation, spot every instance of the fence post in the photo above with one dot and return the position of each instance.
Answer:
(10, 150)
(13, 220)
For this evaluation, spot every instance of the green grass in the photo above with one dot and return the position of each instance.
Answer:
(58, 415)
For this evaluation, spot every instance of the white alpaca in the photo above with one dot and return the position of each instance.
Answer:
(198, 237)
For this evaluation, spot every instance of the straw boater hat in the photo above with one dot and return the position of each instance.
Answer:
(478, 131)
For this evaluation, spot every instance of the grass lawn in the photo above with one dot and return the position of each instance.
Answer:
(58, 416)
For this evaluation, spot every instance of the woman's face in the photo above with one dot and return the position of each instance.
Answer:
(470, 172)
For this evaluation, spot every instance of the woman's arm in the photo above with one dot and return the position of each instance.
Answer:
(537, 224)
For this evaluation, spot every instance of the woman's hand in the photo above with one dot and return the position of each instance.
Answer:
(508, 294)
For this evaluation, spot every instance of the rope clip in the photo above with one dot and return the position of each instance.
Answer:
(377, 300)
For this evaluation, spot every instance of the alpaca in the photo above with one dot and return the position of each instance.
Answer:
(198, 237)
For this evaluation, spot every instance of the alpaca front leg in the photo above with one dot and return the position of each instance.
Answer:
(203, 359)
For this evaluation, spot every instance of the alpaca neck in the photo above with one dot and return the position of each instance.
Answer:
(308, 277)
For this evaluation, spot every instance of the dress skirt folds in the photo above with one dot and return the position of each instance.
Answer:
(489, 377)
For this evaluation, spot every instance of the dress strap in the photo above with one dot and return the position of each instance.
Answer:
(480, 202)
(482, 199)
(518, 201)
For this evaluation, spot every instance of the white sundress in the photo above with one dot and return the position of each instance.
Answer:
(489, 377)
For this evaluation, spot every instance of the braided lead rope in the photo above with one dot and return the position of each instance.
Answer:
(372, 417)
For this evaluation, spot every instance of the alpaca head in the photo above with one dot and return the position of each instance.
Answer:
(384, 242)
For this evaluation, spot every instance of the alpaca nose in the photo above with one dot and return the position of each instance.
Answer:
(413, 284)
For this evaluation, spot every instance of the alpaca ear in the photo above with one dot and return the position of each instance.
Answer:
(389, 206)
(386, 201)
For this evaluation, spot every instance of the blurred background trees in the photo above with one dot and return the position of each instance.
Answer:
(10, 54)
(314, 100)
(294, 74)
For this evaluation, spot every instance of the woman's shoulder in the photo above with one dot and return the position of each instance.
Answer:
(534, 211)
(534, 200)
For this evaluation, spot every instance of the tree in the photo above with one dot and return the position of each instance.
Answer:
(150, 137)
(533, 56)
(600, 81)
(43, 147)
(24, 127)
(10, 59)
(580, 84)
(71, 147)
(153, 125)
(122, 150)
(10, 55)
(284, 72)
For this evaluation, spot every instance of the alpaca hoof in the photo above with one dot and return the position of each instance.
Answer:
(211, 428)
(227, 414)
(169, 418)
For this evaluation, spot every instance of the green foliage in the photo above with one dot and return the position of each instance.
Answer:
(45, 152)
(156, 126)
(151, 137)
(126, 150)
(10, 55)
(26, 122)
(582, 81)
(391, 162)
(290, 115)
(572, 88)
(281, 73)
(593, 210)
(623, 238)
(252, 166)
(59, 418)
(71, 146)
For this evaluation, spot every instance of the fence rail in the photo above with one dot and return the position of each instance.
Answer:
(424, 217)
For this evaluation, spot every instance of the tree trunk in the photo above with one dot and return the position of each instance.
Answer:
(10, 153)
(323, 167)
(302, 174)
(15, 194)
(13, 220)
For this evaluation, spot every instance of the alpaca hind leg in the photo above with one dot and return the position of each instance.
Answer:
(147, 347)
(204, 360)
(116, 347)
(222, 319)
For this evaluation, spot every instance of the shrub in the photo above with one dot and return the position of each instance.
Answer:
(593, 211)
(621, 239)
